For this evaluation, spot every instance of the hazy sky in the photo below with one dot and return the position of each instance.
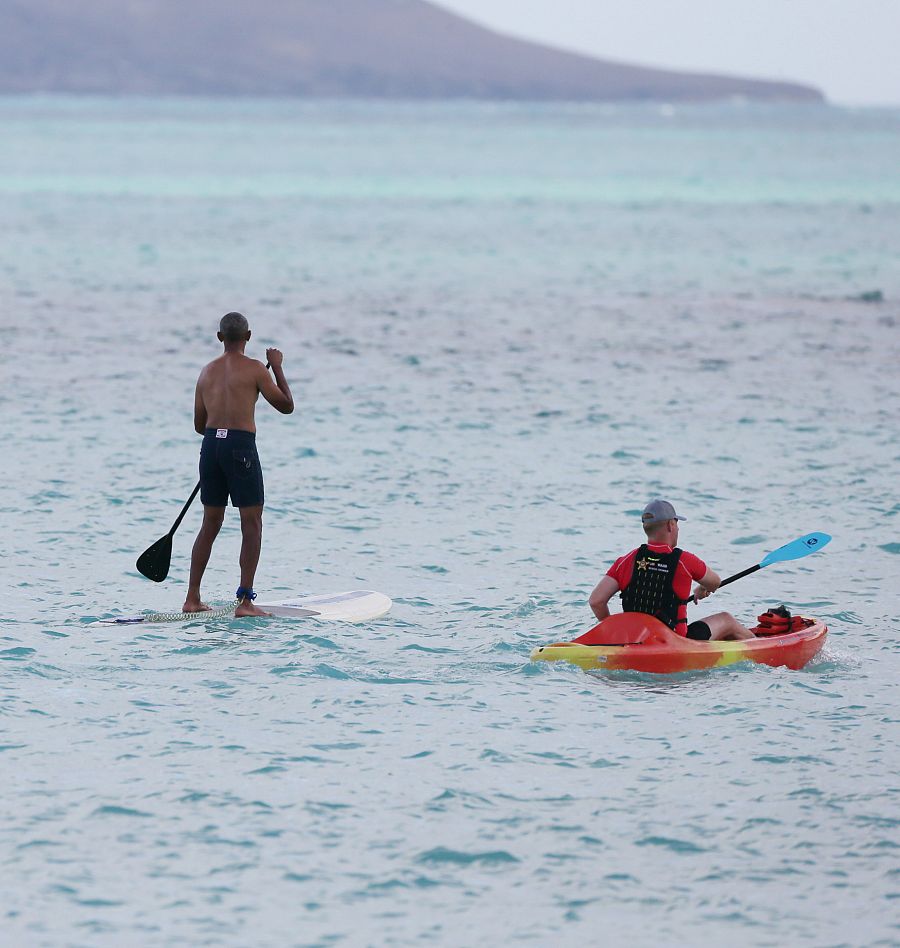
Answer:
(850, 49)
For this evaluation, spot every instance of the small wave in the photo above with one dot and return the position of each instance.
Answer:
(326, 671)
(191, 649)
(111, 810)
(682, 846)
(846, 617)
(441, 854)
(466, 799)
(429, 651)
(788, 759)
(316, 640)
(867, 296)
(16, 654)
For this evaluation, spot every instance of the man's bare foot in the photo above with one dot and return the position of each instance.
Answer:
(246, 608)
(194, 605)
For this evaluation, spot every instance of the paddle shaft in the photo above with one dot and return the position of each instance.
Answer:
(740, 575)
(184, 509)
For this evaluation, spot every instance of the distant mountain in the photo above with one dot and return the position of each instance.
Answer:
(380, 48)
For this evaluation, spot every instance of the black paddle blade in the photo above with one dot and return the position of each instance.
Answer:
(154, 562)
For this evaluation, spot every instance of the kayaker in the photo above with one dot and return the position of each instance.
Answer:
(656, 579)
(224, 413)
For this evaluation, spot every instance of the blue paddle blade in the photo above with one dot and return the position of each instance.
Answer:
(802, 546)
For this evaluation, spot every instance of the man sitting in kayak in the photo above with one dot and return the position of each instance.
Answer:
(656, 579)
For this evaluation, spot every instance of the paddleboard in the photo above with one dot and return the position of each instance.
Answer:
(357, 605)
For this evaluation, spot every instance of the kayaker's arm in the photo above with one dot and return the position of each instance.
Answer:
(709, 584)
(603, 592)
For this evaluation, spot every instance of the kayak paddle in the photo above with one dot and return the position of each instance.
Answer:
(794, 550)
(154, 561)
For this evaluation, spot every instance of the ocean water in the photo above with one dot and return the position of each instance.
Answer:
(507, 327)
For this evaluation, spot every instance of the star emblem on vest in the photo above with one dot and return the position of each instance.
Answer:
(641, 564)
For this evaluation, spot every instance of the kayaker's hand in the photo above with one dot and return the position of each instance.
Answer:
(701, 592)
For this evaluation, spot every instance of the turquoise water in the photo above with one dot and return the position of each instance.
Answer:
(507, 327)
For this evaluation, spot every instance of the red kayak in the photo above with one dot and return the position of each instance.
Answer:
(638, 642)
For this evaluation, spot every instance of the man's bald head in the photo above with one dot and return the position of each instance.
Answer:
(233, 327)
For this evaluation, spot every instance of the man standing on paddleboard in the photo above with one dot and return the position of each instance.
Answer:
(656, 579)
(224, 413)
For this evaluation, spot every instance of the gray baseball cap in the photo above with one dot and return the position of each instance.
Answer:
(658, 511)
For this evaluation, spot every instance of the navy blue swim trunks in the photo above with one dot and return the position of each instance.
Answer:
(229, 464)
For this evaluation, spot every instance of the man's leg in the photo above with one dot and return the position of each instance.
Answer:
(723, 625)
(251, 544)
(209, 530)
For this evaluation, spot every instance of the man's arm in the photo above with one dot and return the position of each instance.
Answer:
(603, 592)
(707, 585)
(199, 411)
(277, 393)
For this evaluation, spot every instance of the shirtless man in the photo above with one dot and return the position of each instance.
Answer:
(224, 413)
(656, 578)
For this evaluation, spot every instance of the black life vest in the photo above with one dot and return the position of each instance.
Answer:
(650, 588)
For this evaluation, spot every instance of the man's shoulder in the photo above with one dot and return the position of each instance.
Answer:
(253, 365)
(235, 362)
(207, 369)
(623, 559)
(693, 562)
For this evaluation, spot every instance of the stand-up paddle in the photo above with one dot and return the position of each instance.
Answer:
(154, 561)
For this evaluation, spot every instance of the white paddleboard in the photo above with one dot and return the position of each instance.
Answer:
(357, 605)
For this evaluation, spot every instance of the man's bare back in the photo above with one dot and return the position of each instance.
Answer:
(228, 388)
